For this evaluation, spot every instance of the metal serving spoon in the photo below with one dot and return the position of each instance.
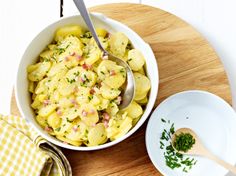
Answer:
(199, 149)
(128, 93)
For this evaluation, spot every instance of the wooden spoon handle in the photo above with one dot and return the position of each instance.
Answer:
(221, 162)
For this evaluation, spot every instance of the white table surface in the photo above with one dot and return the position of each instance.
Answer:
(22, 20)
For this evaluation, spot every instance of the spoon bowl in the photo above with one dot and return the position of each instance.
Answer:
(128, 92)
(199, 149)
(196, 149)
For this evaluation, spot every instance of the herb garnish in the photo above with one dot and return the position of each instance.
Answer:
(174, 159)
(70, 80)
(184, 142)
(58, 129)
(69, 121)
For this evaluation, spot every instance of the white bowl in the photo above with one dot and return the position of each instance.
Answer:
(45, 37)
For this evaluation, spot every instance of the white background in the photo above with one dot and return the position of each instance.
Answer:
(22, 20)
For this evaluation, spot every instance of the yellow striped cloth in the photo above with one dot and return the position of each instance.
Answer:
(23, 152)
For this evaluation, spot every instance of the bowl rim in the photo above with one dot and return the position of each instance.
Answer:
(142, 119)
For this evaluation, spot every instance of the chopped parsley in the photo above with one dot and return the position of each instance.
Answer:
(184, 142)
(122, 70)
(163, 120)
(90, 97)
(58, 129)
(70, 80)
(129, 46)
(69, 121)
(76, 73)
(61, 50)
(45, 59)
(130, 59)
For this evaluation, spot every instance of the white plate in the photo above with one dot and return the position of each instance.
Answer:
(209, 116)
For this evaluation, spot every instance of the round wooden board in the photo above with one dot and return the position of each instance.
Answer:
(185, 60)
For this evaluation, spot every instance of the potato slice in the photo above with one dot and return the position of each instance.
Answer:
(97, 135)
(143, 85)
(141, 71)
(47, 110)
(31, 86)
(64, 31)
(66, 140)
(88, 114)
(69, 50)
(124, 127)
(65, 127)
(134, 110)
(86, 78)
(103, 103)
(101, 32)
(41, 120)
(112, 109)
(111, 74)
(135, 59)
(65, 87)
(54, 120)
(71, 113)
(38, 71)
(118, 42)
(77, 132)
(143, 101)
(83, 95)
(108, 92)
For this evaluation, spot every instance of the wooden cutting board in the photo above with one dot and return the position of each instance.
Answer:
(185, 60)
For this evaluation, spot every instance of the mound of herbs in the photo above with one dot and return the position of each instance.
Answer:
(174, 159)
(184, 142)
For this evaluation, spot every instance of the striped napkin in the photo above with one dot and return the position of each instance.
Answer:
(24, 152)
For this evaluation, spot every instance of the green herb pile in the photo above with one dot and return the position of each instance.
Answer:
(184, 142)
(174, 159)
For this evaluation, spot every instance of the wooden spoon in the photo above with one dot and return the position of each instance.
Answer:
(199, 149)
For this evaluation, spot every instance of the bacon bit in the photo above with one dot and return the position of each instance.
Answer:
(75, 128)
(73, 101)
(92, 111)
(76, 105)
(48, 129)
(59, 112)
(84, 113)
(106, 124)
(93, 125)
(92, 91)
(106, 116)
(119, 99)
(72, 54)
(78, 57)
(81, 79)
(87, 66)
(46, 102)
(112, 73)
(67, 58)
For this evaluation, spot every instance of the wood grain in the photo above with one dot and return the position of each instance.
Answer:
(185, 60)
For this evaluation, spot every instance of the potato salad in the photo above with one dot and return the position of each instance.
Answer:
(76, 91)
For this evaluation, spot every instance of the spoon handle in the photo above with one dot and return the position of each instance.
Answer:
(85, 15)
(221, 162)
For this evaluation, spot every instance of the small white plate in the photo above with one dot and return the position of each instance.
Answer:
(209, 116)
